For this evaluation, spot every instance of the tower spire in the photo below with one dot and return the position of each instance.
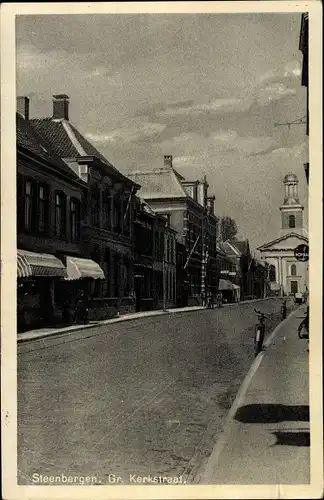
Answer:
(291, 208)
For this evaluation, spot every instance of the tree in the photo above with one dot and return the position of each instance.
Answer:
(228, 228)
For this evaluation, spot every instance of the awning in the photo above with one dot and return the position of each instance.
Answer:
(38, 264)
(83, 268)
(226, 285)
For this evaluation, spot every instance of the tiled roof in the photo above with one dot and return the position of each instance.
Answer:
(68, 142)
(56, 135)
(160, 183)
(28, 138)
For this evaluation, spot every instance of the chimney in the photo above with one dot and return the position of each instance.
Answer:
(168, 161)
(202, 192)
(23, 106)
(61, 107)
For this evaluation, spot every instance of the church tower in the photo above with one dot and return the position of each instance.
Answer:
(291, 210)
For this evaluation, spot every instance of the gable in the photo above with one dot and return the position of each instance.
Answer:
(290, 241)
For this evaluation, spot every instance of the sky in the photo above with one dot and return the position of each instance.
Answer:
(207, 89)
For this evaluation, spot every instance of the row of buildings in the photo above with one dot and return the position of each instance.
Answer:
(144, 241)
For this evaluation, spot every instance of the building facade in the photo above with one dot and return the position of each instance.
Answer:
(191, 213)
(107, 208)
(154, 254)
(288, 275)
(49, 213)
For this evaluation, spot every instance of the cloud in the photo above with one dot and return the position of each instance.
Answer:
(271, 87)
(261, 95)
(134, 130)
(191, 147)
(273, 92)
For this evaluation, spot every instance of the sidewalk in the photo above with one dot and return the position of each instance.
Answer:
(266, 438)
(47, 332)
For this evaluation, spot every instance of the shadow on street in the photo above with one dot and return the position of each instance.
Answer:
(271, 413)
(299, 438)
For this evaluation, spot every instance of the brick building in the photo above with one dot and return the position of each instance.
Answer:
(154, 254)
(107, 206)
(49, 206)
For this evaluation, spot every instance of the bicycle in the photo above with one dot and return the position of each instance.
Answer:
(259, 332)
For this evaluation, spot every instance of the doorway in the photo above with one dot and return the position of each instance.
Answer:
(294, 287)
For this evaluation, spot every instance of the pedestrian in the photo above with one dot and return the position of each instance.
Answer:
(85, 310)
(219, 299)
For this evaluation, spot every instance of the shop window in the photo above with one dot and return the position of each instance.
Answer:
(60, 215)
(292, 221)
(108, 270)
(75, 219)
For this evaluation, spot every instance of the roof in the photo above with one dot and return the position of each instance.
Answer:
(236, 248)
(67, 141)
(28, 138)
(242, 246)
(290, 178)
(159, 183)
(282, 238)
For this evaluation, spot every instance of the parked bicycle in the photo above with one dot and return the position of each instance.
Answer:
(259, 332)
(303, 329)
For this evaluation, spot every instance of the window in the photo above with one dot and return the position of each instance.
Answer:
(60, 215)
(127, 212)
(117, 213)
(28, 209)
(106, 201)
(75, 219)
(95, 205)
(292, 222)
(293, 270)
(19, 198)
(42, 201)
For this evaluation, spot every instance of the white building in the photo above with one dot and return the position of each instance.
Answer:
(290, 275)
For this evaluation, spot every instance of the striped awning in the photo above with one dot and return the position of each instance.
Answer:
(226, 285)
(38, 264)
(83, 268)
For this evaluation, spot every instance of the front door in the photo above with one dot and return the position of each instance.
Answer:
(294, 287)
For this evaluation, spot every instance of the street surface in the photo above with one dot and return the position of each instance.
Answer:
(148, 396)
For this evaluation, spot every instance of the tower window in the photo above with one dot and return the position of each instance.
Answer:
(292, 221)
(293, 270)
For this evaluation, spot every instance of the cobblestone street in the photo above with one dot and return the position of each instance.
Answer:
(148, 396)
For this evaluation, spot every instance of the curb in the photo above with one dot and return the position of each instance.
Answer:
(28, 336)
(240, 396)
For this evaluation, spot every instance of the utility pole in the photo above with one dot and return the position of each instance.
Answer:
(163, 271)
(203, 257)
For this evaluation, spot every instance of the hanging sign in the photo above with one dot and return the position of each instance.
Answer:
(302, 253)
